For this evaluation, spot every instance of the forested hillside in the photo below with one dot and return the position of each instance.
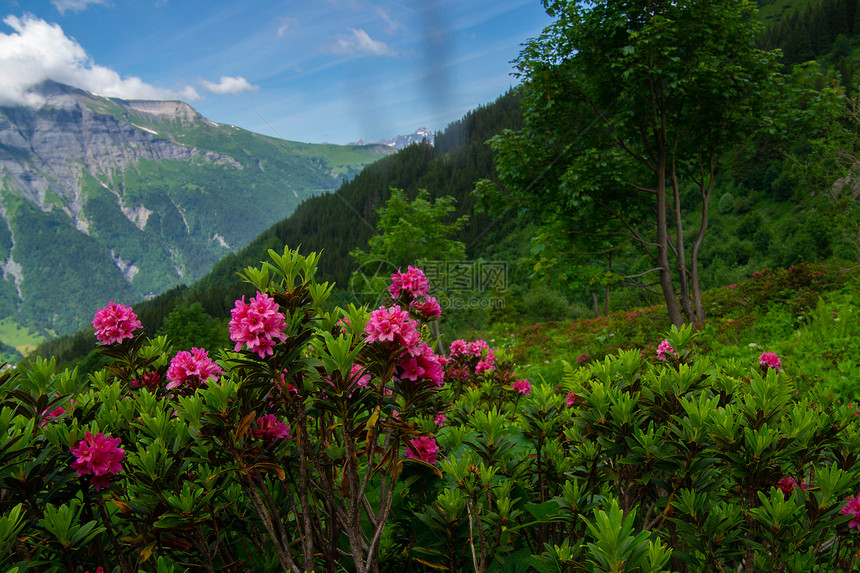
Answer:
(335, 223)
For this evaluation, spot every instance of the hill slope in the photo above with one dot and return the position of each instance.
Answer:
(106, 199)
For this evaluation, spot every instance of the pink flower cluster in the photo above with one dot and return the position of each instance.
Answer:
(770, 360)
(99, 455)
(853, 508)
(413, 283)
(422, 364)
(424, 448)
(257, 324)
(359, 372)
(114, 323)
(787, 485)
(571, 399)
(392, 325)
(269, 429)
(479, 349)
(428, 309)
(664, 350)
(522, 386)
(192, 368)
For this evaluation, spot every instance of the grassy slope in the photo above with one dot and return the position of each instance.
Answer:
(806, 314)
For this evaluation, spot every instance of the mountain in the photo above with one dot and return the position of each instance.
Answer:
(107, 199)
(399, 142)
(335, 223)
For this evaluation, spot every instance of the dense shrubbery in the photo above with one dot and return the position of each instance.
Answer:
(323, 438)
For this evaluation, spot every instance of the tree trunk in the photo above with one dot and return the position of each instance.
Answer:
(663, 246)
(595, 304)
(683, 272)
(694, 255)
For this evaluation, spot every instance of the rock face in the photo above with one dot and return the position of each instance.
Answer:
(104, 199)
(50, 148)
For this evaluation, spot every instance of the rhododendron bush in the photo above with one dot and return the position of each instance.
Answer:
(333, 439)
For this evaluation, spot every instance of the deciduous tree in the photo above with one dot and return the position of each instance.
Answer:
(625, 102)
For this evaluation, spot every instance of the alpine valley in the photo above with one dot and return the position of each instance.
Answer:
(106, 199)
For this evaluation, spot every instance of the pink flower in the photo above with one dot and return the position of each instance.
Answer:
(149, 380)
(270, 428)
(853, 508)
(413, 283)
(427, 309)
(522, 386)
(483, 366)
(257, 324)
(48, 416)
(571, 399)
(770, 360)
(665, 349)
(423, 448)
(788, 484)
(193, 368)
(114, 323)
(393, 325)
(440, 419)
(99, 455)
(359, 372)
(459, 347)
(477, 348)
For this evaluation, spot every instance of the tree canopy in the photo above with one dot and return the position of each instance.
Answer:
(626, 101)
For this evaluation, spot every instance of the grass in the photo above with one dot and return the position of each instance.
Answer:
(807, 314)
(20, 338)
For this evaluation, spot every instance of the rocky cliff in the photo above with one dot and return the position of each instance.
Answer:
(103, 199)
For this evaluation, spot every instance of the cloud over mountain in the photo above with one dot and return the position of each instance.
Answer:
(37, 51)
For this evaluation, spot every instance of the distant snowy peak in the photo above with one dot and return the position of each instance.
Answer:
(401, 141)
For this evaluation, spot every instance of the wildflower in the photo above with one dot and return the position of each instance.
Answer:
(427, 309)
(459, 347)
(853, 508)
(413, 282)
(440, 419)
(664, 350)
(477, 348)
(788, 484)
(270, 428)
(423, 448)
(393, 325)
(48, 416)
(114, 323)
(770, 360)
(522, 386)
(571, 399)
(360, 374)
(483, 366)
(257, 324)
(193, 368)
(149, 380)
(99, 455)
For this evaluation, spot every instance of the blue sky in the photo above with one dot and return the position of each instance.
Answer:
(304, 70)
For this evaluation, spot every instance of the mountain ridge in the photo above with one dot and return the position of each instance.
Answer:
(138, 195)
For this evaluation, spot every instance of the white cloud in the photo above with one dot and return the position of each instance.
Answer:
(286, 24)
(75, 5)
(359, 42)
(39, 51)
(228, 85)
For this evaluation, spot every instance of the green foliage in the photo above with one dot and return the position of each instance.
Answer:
(625, 104)
(188, 326)
(409, 231)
